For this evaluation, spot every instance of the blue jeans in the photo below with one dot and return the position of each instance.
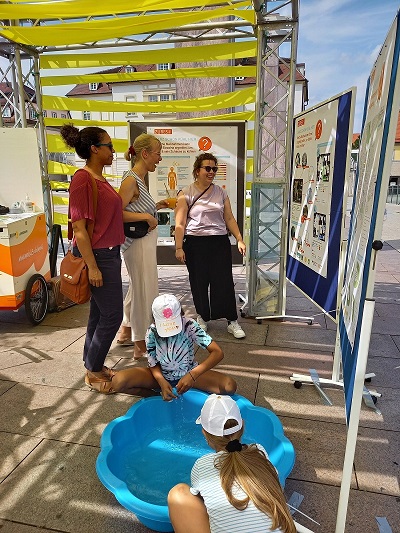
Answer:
(106, 309)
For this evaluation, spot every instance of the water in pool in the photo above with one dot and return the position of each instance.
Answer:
(150, 472)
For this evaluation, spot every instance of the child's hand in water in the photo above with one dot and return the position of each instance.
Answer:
(184, 384)
(166, 392)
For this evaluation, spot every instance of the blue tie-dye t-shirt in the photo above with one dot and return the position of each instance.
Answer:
(175, 354)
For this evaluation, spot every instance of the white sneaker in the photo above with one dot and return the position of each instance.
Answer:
(201, 323)
(236, 330)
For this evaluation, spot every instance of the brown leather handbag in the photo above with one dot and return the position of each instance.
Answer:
(74, 272)
(74, 279)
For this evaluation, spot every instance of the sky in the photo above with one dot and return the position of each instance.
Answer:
(339, 41)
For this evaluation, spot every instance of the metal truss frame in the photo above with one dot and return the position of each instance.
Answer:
(23, 65)
(272, 30)
(272, 159)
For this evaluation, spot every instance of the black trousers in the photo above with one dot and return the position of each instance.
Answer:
(209, 262)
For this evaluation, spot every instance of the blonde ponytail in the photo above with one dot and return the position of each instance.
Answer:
(255, 474)
(142, 142)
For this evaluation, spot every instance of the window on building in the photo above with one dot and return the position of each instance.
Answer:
(93, 86)
(54, 114)
(44, 114)
(153, 97)
(63, 115)
(86, 115)
(131, 99)
(163, 66)
(32, 113)
(105, 115)
(164, 97)
(6, 112)
(129, 69)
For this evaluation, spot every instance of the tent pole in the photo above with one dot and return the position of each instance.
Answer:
(21, 92)
(43, 148)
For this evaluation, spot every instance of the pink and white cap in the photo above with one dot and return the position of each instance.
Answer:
(167, 315)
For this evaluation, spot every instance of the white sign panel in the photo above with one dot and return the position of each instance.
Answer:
(181, 145)
(369, 167)
(314, 155)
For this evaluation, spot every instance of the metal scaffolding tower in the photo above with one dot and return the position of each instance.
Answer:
(272, 156)
(276, 30)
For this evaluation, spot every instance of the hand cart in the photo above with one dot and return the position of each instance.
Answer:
(24, 264)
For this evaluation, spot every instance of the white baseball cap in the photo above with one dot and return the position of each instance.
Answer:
(216, 411)
(167, 315)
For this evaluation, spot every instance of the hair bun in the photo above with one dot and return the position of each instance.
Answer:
(132, 151)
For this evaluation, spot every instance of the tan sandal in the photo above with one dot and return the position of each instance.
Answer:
(109, 372)
(137, 357)
(125, 342)
(104, 386)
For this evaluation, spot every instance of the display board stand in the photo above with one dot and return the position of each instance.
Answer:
(308, 319)
(381, 110)
(320, 170)
(336, 380)
(352, 430)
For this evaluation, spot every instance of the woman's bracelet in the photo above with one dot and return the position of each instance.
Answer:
(191, 375)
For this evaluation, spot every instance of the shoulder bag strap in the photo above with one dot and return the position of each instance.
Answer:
(95, 191)
(197, 198)
(90, 226)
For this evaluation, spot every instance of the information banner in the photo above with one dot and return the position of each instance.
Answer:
(376, 150)
(321, 156)
(181, 143)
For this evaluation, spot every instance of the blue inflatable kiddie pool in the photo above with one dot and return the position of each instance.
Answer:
(155, 444)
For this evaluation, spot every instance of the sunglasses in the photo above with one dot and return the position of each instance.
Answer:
(210, 169)
(110, 145)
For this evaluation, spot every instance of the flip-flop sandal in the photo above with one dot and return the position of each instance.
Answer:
(125, 342)
(99, 385)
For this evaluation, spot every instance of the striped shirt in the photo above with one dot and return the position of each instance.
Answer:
(224, 518)
(143, 204)
(175, 354)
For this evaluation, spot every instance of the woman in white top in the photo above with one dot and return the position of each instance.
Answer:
(140, 255)
(202, 219)
(234, 490)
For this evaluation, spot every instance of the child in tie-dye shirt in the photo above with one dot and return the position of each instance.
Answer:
(170, 345)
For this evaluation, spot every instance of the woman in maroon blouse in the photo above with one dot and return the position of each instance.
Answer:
(102, 252)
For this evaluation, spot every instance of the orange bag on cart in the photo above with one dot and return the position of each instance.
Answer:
(74, 272)
(74, 279)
